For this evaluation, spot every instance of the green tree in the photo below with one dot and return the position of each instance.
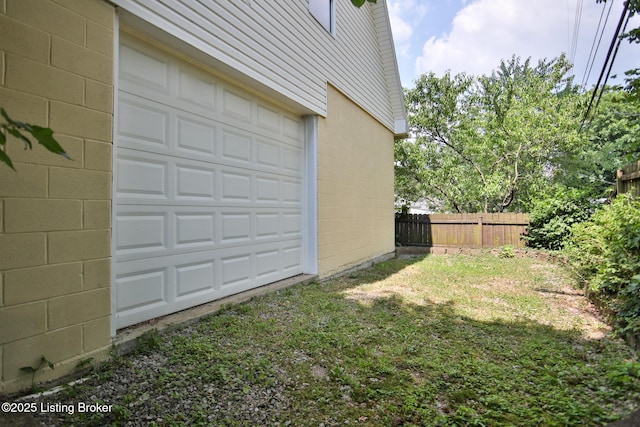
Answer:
(611, 140)
(487, 144)
(359, 3)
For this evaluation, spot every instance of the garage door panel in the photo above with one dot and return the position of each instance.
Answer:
(142, 122)
(143, 69)
(141, 177)
(141, 291)
(208, 187)
(236, 270)
(292, 160)
(236, 186)
(196, 137)
(268, 119)
(194, 230)
(291, 192)
(170, 180)
(267, 263)
(268, 225)
(203, 95)
(193, 182)
(267, 189)
(236, 227)
(160, 230)
(237, 106)
(292, 224)
(196, 88)
(236, 147)
(163, 285)
(268, 155)
(141, 233)
(293, 131)
(194, 278)
(292, 259)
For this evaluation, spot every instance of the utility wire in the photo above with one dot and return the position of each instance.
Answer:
(592, 59)
(606, 62)
(576, 31)
(615, 53)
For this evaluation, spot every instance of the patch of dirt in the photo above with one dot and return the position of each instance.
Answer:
(319, 372)
(572, 300)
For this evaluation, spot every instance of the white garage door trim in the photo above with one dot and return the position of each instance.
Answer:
(213, 191)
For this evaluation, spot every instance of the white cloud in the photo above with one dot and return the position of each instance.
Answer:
(402, 30)
(486, 31)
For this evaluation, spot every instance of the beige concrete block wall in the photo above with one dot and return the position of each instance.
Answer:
(355, 186)
(56, 70)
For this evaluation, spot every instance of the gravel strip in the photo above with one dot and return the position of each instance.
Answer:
(128, 388)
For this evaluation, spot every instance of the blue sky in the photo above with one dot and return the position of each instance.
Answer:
(473, 35)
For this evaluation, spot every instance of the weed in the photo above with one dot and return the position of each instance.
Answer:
(84, 364)
(34, 370)
(149, 341)
(506, 252)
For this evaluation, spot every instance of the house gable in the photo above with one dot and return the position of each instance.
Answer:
(278, 44)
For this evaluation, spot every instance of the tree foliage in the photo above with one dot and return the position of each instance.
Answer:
(487, 144)
(359, 3)
(610, 140)
(554, 212)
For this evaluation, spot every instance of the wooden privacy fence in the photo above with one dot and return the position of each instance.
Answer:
(461, 230)
(628, 179)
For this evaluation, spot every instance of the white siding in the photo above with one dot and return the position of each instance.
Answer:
(280, 45)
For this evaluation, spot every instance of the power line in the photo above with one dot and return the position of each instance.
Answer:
(615, 53)
(592, 59)
(606, 62)
(576, 31)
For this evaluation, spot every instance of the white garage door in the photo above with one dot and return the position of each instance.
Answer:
(208, 187)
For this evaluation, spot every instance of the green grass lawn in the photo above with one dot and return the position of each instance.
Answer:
(435, 341)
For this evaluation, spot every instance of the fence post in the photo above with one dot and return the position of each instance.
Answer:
(619, 184)
(481, 231)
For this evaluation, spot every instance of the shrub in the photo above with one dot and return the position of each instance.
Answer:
(605, 255)
(553, 215)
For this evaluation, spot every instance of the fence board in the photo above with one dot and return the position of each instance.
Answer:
(461, 230)
(628, 179)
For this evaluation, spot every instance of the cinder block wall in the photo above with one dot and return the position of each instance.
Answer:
(355, 186)
(56, 70)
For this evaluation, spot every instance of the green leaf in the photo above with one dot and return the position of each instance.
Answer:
(357, 3)
(15, 132)
(4, 158)
(3, 138)
(45, 138)
(14, 123)
(5, 115)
